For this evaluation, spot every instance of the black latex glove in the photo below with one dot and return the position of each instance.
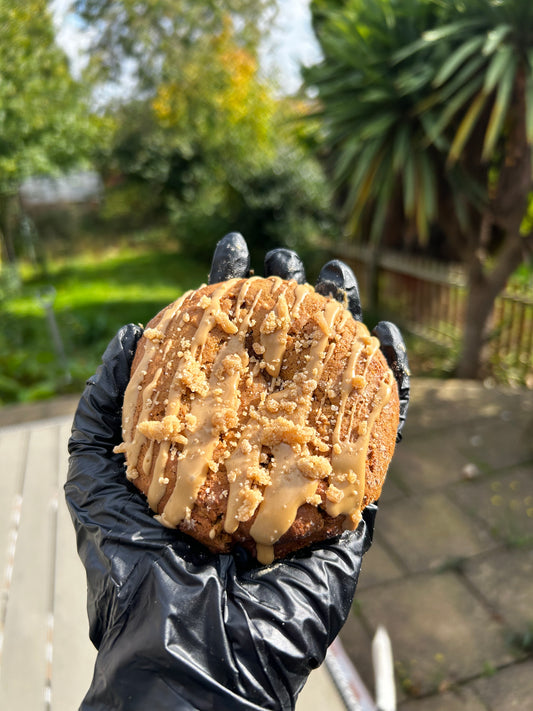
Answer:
(176, 626)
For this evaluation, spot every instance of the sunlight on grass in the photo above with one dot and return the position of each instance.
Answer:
(93, 296)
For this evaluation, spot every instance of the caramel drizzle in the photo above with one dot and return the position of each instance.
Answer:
(132, 439)
(244, 466)
(158, 485)
(222, 394)
(273, 495)
(349, 463)
(290, 488)
(349, 458)
(275, 341)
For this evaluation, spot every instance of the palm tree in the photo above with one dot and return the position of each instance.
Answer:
(428, 104)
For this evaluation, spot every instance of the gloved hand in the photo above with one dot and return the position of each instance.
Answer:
(176, 626)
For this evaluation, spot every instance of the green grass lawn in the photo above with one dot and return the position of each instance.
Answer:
(94, 296)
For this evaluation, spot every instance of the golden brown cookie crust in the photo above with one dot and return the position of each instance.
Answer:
(259, 413)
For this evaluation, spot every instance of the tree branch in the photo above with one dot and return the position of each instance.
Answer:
(514, 252)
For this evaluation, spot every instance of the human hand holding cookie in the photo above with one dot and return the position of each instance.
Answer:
(269, 435)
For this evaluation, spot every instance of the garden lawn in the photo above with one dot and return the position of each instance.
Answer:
(92, 297)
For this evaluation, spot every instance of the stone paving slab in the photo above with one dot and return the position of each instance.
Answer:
(503, 501)
(429, 532)
(73, 653)
(509, 690)
(505, 580)
(438, 403)
(379, 567)
(440, 632)
(446, 627)
(501, 441)
(28, 595)
(461, 699)
(13, 448)
(416, 467)
(319, 692)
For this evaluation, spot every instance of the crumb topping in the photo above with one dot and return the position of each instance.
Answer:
(153, 334)
(315, 467)
(283, 430)
(167, 429)
(223, 320)
(334, 494)
(191, 376)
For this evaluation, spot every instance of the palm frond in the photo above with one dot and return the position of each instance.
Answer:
(453, 29)
(529, 99)
(378, 127)
(363, 185)
(410, 81)
(499, 110)
(457, 58)
(381, 206)
(401, 147)
(495, 37)
(348, 156)
(411, 49)
(428, 183)
(454, 105)
(497, 67)
(466, 127)
(409, 185)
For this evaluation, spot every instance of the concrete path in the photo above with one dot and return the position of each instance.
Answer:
(450, 574)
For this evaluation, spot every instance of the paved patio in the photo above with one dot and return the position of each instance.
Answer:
(450, 574)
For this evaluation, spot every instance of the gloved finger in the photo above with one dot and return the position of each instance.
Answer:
(394, 350)
(231, 259)
(337, 279)
(285, 264)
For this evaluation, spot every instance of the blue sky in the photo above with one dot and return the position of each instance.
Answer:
(290, 44)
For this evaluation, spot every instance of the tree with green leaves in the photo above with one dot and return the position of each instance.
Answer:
(213, 110)
(427, 108)
(156, 39)
(204, 141)
(45, 125)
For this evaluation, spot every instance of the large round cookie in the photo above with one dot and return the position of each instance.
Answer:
(259, 413)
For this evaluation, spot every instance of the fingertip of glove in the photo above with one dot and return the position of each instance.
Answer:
(130, 334)
(285, 264)
(336, 279)
(123, 343)
(231, 259)
(394, 350)
(389, 334)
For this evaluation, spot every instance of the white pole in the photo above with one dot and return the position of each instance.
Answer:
(383, 670)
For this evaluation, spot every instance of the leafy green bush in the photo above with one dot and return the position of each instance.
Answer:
(94, 296)
(282, 204)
